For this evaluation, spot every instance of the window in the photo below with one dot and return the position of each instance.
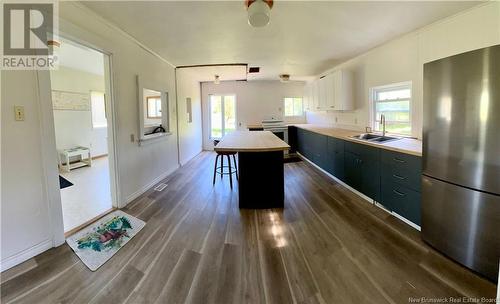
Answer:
(154, 106)
(394, 102)
(222, 115)
(293, 106)
(98, 107)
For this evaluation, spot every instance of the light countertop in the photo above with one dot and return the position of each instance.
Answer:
(251, 141)
(404, 145)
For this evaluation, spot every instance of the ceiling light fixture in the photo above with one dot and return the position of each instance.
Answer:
(259, 12)
(217, 80)
(285, 77)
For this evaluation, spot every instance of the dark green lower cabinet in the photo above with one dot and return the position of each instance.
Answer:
(400, 184)
(364, 162)
(390, 178)
(302, 142)
(319, 149)
(402, 200)
(292, 138)
(352, 170)
(335, 158)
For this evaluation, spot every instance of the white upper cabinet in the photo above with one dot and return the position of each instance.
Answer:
(306, 96)
(322, 88)
(315, 106)
(332, 92)
(343, 99)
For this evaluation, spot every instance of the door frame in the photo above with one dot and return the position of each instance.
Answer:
(47, 131)
(223, 127)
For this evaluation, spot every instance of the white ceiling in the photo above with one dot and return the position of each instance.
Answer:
(225, 72)
(304, 38)
(79, 57)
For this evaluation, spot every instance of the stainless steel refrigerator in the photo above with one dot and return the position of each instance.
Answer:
(461, 159)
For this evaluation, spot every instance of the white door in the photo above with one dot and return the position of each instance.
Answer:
(222, 115)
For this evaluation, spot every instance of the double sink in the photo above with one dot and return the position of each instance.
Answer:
(374, 138)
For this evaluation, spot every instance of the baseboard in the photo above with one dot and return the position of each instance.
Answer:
(184, 162)
(368, 199)
(141, 191)
(99, 156)
(25, 255)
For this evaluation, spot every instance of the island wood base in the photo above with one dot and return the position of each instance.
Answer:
(261, 180)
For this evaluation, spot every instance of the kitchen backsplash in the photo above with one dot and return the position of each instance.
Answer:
(344, 120)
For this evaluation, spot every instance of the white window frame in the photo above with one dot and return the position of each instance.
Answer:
(158, 112)
(390, 87)
(223, 126)
(292, 116)
(94, 126)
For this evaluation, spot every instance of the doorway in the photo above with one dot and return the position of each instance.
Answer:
(222, 115)
(83, 132)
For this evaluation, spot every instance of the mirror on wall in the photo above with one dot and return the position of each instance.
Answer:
(153, 110)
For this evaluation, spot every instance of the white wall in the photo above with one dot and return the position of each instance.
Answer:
(402, 60)
(75, 127)
(190, 134)
(25, 217)
(28, 225)
(255, 101)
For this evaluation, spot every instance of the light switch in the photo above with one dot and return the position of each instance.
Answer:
(19, 113)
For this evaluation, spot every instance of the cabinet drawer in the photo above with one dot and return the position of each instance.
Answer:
(402, 200)
(402, 169)
(401, 176)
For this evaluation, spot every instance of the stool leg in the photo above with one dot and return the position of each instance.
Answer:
(235, 166)
(215, 168)
(230, 172)
(222, 167)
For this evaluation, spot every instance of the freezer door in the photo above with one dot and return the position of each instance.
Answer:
(461, 140)
(463, 224)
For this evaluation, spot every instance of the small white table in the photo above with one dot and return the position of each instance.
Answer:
(66, 154)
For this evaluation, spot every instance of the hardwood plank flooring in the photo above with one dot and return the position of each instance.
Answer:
(326, 246)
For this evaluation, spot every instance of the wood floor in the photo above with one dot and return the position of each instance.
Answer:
(326, 246)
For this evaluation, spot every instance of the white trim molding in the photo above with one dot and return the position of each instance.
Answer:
(150, 185)
(368, 199)
(24, 255)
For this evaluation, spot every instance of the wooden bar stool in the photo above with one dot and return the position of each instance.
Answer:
(220, 169)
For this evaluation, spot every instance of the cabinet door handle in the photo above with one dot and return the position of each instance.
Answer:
(398, 193)
(399, 176)
(398, 160)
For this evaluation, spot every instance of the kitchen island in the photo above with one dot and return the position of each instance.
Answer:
(260, 166)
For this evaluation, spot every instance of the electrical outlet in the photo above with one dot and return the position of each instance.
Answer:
(19, 113)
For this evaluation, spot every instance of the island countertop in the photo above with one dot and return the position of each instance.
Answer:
(251, 141)
(404, 145)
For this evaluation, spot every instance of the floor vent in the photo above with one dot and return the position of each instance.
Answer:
(160, 187)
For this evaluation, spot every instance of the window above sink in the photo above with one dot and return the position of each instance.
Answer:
(393, 101)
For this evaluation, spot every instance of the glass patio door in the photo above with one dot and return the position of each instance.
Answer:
(222, 115)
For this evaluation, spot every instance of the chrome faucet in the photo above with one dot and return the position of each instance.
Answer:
(382, 121)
